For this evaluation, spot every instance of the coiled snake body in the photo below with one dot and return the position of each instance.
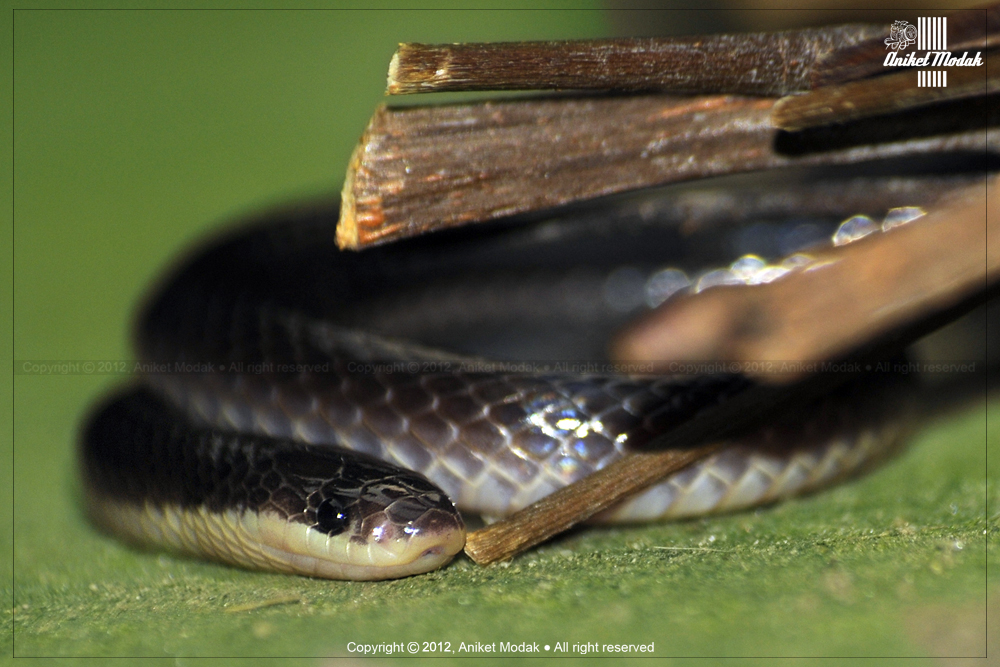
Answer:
(269, 351)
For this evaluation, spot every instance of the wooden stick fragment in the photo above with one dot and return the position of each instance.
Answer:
(427, 168)
(576, 503)
(881, 95)
(748, 64)
(884, 285)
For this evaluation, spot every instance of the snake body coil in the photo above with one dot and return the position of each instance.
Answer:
(270, 351)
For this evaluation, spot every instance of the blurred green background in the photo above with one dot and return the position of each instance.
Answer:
(137, 132)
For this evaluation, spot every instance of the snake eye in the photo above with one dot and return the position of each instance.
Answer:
(331, 518)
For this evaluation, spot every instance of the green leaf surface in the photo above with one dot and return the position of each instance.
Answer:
(136, 131)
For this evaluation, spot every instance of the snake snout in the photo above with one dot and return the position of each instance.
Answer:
(417, 530)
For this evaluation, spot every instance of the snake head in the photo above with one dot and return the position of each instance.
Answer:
(339, 515)
(260, 502)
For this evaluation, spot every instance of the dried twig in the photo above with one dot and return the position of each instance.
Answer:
(885, 285)
(882, 95)
(418, 170)
(427, 168)
(747, 64)
(576, 503)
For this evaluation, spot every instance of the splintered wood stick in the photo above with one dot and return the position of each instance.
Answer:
(427, 168)
(775, 63)
(418, 170)
(576, 503)
(780, 63)
(881, 95)
(897, 284)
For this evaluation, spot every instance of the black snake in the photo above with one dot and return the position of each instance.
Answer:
(269, 350)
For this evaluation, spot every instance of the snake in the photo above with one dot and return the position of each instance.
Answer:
(333, 414)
